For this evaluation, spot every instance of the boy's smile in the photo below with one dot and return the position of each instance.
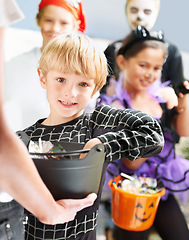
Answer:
(68, 94)
(67, 104)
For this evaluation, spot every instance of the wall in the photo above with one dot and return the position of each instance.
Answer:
(106, 19)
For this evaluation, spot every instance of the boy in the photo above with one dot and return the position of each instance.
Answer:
(72, 70)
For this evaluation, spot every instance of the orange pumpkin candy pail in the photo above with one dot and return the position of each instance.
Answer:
(133, 212)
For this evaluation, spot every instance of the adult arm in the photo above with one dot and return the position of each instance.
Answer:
(2, 32)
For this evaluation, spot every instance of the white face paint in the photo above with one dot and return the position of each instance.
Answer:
(142, 12)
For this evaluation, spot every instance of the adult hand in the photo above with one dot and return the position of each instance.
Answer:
(72, 206)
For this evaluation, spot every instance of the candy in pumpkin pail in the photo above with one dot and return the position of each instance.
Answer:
(133, 212)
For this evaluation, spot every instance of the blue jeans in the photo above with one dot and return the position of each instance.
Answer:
(11, 221)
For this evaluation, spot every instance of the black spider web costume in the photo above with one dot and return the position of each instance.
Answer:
(124, 133)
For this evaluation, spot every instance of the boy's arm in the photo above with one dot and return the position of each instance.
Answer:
(131, 165)
(127, 133)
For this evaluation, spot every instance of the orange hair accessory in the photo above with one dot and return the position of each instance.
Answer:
(73, 6)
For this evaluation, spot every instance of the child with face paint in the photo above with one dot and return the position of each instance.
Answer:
(145, 13)
(24, 97)
(142, 13)
(140, 60)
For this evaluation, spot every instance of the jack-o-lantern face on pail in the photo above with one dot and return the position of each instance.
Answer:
(143, 213)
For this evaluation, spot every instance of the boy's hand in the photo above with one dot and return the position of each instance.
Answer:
(90, 144)
(72, 206)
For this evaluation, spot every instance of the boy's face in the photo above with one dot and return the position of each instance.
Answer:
(55, 21)
(142, 12)
(67, 94)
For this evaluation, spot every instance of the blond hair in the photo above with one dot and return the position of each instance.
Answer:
(75, 53)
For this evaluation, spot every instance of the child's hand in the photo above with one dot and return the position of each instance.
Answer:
(170, 96)
(72, 206)
(183, 98)
(90, 144)
(186, 85)
(181, 88)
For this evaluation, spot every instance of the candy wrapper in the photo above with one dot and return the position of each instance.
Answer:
(139, 185)
(45, 149)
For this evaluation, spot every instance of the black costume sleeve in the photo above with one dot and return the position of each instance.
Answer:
(173, 67)
(127, 133)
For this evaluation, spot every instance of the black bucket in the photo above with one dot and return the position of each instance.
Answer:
(71, 177)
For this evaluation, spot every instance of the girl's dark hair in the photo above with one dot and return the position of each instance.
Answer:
(132, 45)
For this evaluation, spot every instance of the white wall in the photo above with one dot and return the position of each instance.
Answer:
(106, 19)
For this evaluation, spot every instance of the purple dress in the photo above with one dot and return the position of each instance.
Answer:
(171, 169)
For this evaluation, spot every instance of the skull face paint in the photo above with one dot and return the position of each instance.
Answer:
(142, 12)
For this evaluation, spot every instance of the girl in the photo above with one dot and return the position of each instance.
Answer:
(140, 59)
